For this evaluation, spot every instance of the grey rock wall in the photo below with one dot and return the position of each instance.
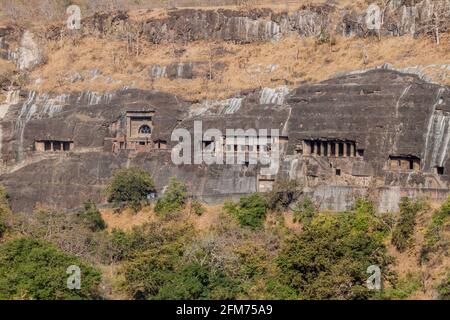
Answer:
(384, 112)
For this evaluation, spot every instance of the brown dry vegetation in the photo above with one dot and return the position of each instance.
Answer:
(430, 273)
(299, 60)
(127, 219)
(33, 12)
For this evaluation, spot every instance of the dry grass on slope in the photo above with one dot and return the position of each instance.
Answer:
(34, 12)
(429, 273)
(127, 219)
(297, 60)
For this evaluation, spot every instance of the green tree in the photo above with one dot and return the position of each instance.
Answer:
(402, 289)
(284, 193)
(3, 227)
(304, 210)
(444, 289)
(152, 257)
(329, 258)
(250, 211)
(174, 198)
(92, 217)
(34, 269)
(5, 211)
(404, 229)
(434, 233)
(194, 282)
(130, 186)
(197, 207)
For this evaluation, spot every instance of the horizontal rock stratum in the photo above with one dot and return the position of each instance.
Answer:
(380, 131)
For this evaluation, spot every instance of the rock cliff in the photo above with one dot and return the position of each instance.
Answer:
(380, 128)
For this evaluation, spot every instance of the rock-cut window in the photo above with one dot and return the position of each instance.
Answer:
(145, 129)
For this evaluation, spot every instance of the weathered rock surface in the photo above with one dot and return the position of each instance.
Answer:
(30, 53)
(380, 114)
(240, 26)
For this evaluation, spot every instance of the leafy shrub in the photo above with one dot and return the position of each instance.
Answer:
(34, 269)
(364, 205)
(364, 216)
(68, 232)
(433, 234)
(401, 289)
(329, 258)
(284, 193)
(3, 227)
(227, 263)
(154, 267)
(444, 289)
(194, 282)
(324, 37)
(126, 245)
(304, 210)
(404, 229)
(5, 211)
(130, 186)
(197, 207)
(174, 199)
(92, 217)
(250, 211)
(118, 246)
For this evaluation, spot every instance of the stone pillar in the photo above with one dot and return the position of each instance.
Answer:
(352, 150)
(344, 153)
(322, 148)
(328, 146)
(218, 146)
(306, 149)
(336, 149)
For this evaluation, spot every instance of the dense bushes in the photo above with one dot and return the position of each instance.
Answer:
(153, 259)
(3, 227)
(130, 186)
(162, 273)
(174, 198)
(68, 232)
(238, 256)
(444, 289)
(284, 193)
(169, 260)
(404, 228)
(402, 289)
(5, 211)
(33, 269)
(304, 211)
(250, 211)
(329, 258)
(197, 207)
(92, 217)
(434, 232)
(403, 231)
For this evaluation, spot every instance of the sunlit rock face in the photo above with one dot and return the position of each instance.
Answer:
(379, 131)
(400, 17)
(30, 53)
